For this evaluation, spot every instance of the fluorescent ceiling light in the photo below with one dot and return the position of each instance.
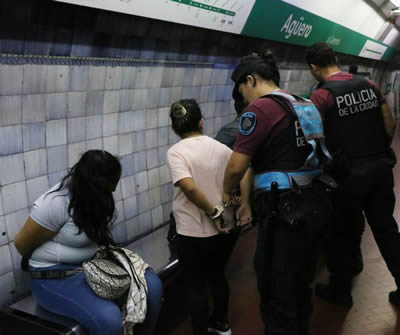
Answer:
(395, 12)
(395, 2)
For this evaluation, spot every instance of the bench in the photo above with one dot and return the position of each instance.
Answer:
(27, 317)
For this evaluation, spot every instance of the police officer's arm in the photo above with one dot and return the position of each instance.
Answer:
(197, 197)
(244, 214)
(235, 170)
(390, 125)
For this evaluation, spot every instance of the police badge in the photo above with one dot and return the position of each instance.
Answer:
(247, 123)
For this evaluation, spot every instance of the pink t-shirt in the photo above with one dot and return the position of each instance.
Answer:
(204, 160)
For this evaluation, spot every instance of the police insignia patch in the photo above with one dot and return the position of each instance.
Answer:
(247, 123)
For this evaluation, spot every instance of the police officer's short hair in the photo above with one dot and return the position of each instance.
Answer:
(262, 64)
(321, 54)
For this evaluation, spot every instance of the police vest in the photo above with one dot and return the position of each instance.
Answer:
(292, 149)
(300, 148)
(354, 124)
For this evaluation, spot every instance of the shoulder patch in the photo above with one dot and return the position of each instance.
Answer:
(247, 123)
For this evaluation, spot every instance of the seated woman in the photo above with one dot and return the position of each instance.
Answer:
(197, 165)
(66, 226)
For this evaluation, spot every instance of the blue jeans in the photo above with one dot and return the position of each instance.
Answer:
(72, 297)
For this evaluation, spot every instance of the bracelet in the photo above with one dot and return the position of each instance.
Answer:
(217, 212)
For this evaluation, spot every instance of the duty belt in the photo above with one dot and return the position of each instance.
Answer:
(284, 180)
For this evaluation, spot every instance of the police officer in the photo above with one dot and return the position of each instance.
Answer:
(272, 140)
(359, 129)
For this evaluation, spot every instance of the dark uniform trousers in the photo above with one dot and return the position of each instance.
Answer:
(285, 262)
(368, 189)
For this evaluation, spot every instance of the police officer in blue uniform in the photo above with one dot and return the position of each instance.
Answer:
(281, 135)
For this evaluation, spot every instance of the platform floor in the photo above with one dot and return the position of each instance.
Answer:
(371, 314)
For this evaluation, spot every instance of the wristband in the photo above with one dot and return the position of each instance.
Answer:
(217, 212)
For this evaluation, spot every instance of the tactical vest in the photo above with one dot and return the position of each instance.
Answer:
(354, 125)
(290, 149)
(298, 150)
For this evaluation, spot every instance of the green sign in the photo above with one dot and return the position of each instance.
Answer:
(279, 21)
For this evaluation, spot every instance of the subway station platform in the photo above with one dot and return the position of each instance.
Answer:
(372, 314)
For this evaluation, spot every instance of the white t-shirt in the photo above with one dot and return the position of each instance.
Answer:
(50, 211)
(204, 160)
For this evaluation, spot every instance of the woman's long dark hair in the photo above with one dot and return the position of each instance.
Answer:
(90, 183)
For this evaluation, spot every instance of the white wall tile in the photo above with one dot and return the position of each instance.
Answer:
(14, 197)
(34, 135)
(139, 161)
(56, 106)
(96, 144)
(167, 209)
(7, 86)
(118, 231)
(33, 108)
(128, 77)
(113, 78)
(152, 158)
(35, 163)
(10, 140)
(57, 158)
(95, 103)
(111, 145)
(97, 77)
(119, 211)
(11, 110)
(118, 192)
(7, 288)
(36, 187)
(145, 223)
(128, 186)
(127, 165)
(179, 75)
(143, 202)
(110, 124)
(162, 154)
(57, 78)
(142, 77)
(76, 129)
(132, 228)
(155, 197)
(11, 169)
(126, 100)
(157, 216)
(162, 136)
(3, 231)
(142, 183)
(163, 117)
(130, 207)
(165, 175)
(126, 122)
(15, 221)
(56, 132)
(94, 127)
(1, 204)
(153, 177)
(125, 144)
(151, 118)
(35, 78)
(21, 278)
(166, 193)
(139, 118)
(75, 152)
(140, 99)
(111, 102)
(76, 104)
(78, 77)
(140, 140)
(151, 138)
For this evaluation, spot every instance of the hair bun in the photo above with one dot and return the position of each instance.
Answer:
(178, 110)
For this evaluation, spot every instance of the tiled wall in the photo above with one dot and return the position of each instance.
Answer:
(88, 88)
